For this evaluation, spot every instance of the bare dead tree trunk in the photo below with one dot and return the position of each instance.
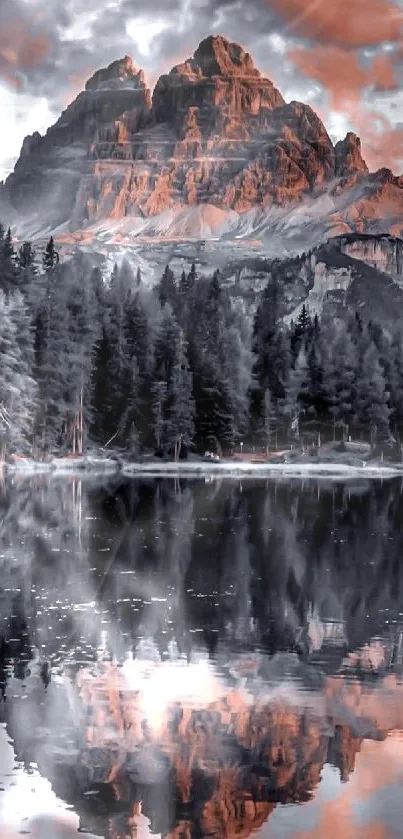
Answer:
(178, 447)
(81, 423)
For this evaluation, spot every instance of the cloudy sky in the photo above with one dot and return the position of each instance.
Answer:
(343, 57)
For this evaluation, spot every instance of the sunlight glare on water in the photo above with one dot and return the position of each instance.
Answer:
(231, 666)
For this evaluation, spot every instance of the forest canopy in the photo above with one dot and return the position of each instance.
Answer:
(106, 360)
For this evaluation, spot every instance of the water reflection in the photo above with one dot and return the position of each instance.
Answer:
(190, 659)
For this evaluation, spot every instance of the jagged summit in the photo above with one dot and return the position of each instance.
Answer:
(120, 73)
(217, 56)
(348, 155)
(214, 148)
(222, 82)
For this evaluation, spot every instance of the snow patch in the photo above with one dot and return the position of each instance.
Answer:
(64, 465)
(263, 470)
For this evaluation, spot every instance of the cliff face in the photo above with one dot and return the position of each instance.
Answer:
(215, 133)
(382, 252)
(221, 88)
(349, 159)
(50, 169)
(349, 273)
(219, 134)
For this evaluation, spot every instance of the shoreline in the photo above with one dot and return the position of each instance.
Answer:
(263, 470)
(92, 467)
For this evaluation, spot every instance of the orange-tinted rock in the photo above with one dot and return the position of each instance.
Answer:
(215, 132)
(349, 160)
(223, 86)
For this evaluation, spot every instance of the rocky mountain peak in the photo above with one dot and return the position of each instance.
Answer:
(215, 141)
(120, 73)
(348, 156)
(30, 143)
(216, 56)
(221, 82)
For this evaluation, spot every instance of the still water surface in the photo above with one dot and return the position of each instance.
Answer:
(201, 659)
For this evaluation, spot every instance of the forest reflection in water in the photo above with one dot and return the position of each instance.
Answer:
(191, 658)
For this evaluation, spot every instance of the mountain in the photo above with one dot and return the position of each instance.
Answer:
(350, 273)
(214, 151)
(346, 274)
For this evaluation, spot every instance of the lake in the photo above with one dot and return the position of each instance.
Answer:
(201, 658)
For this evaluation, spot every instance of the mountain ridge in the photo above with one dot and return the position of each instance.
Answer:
(214, 133)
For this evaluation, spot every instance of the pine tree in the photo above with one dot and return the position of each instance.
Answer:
(270, 345)
(173, 415)
(215, 421)
(129, 423)
(180, 428)
(83, 333)
(52, 368)
(371, 402)
(213, 386)
(28, 274)
(301, 331)
(8, 252)
(237, 363)
(167, 291)
(51, 350)
(296, 398)
(113, 351)
(26, 256)
(269, 420)
(136, 332)
(51, 256)
(159, 391)
(339, 375)
(101, 428)
(97, 283)
(8, 264)
(184, 297)
(18, 391)
(126, 279)
(165, 345)
(317, 393)
(192, 276)
(395, 377)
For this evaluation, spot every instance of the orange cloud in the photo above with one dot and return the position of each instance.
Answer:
(347, 23)
(344, 78)
(341, 73)
(20, 50)
(383, 74)
(337, 70)
(381, 143)
(378, 766)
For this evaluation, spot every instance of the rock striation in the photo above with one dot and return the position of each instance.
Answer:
(49, 171)
(214, 133)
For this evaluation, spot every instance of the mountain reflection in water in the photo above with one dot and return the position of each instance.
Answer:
(190, 659)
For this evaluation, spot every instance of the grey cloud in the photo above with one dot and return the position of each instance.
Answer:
(187, 22)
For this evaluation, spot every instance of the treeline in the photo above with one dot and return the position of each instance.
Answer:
(107, 360)
(341, 372)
